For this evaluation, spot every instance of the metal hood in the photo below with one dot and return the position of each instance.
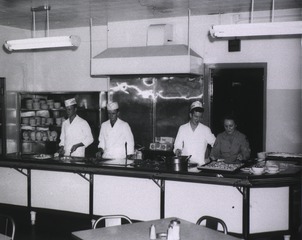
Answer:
(164, 59)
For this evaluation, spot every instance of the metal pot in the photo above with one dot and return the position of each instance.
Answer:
(178, 163)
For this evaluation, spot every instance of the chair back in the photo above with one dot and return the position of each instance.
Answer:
(111, 220)
(212, 222)
(7, 226)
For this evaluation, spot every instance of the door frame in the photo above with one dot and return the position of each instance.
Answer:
(208, 89)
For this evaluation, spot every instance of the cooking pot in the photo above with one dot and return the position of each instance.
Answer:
(178, 163)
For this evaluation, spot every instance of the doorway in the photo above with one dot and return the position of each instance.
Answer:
(238, 89)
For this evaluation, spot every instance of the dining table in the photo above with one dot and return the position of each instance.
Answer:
(4, 237)
(141, 231)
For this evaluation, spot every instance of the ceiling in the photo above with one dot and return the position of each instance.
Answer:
(77, 13)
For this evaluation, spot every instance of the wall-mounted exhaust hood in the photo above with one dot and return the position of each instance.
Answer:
(165, 59)
(160, 56)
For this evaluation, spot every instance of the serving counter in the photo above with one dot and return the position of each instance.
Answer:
(251, 205)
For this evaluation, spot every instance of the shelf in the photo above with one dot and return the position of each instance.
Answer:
(46, 126)
(88, 109)
(11, 124)
(58, 109)
(36, 141)
(26, 110)
(40, 109)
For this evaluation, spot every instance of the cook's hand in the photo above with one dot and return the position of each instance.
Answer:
(75, 147)
(178, 152)
(99, 154)
(61, 151)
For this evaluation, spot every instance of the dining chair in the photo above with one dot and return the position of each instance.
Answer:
(213, 223)
(7, 226)
(111, 220)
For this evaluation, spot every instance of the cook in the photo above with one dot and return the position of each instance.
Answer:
(115, 139)
(76, 133)
(193, 137)
(230, 145)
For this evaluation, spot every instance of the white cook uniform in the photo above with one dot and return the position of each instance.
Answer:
(112, 139)
(73, 133)
(194, 142)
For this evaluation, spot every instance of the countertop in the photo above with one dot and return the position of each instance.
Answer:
(289, 170)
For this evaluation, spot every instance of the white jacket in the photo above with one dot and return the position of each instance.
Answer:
(76, 132)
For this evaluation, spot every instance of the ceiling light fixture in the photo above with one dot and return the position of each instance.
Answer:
(256, 29)
(43, 42)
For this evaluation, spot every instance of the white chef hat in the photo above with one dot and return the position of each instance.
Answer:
(112, 106)
(196, 104)
(70, 102)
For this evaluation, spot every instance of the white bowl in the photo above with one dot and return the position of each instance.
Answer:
(257, 170)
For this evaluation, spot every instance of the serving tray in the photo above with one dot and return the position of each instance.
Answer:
(220, 166)
(283, 155)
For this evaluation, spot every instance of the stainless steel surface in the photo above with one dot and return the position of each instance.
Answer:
(178, 163)
(173, 59)
(77, 13)
(12, 122)
(114, 162)
(148, 104)
(180, 159)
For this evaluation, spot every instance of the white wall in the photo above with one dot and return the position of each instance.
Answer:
(68, 70)
(282, 55)
(16, 67)
(52, 70)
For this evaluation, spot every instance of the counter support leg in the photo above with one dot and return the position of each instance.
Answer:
(32, 213)
(91, 195)
(246, 212)
(162, 199)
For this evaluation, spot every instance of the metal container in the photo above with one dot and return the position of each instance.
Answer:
(178, 163)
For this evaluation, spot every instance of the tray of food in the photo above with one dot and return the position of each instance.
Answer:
(221, 166)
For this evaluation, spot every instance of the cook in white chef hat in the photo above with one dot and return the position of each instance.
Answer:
(112, 106)
(70, 102)
(196, 106)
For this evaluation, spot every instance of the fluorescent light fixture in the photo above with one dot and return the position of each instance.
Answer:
(256, 29)
(44, 42)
